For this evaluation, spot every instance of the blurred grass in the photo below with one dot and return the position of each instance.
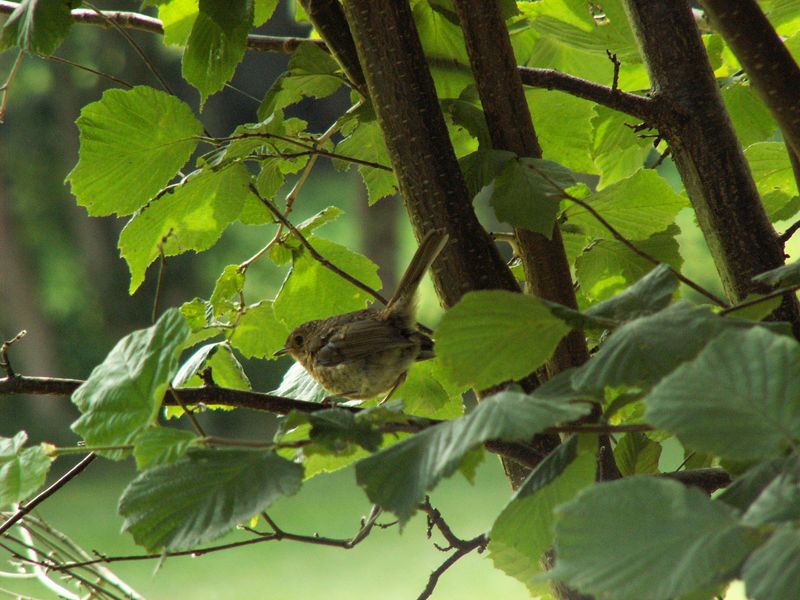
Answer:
(387, 565)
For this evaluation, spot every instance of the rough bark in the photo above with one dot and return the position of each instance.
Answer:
(709, 158)
(511, 128)
(772, 71)
(433, 189)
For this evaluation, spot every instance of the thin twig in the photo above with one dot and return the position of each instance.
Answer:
(6, 87)
(140, 22)
(52, 489)
(136, 47)
(615, 80)
(160, 280)
(631, 246)
(790, 231)
(293, 193)
(477, 543)
(108, 76)
(189, 413)
(764, 298)
(316, 255)
(5, 362)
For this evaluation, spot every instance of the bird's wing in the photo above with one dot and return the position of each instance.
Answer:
(360, 339)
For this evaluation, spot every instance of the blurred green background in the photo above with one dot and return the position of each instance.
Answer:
(61, 279)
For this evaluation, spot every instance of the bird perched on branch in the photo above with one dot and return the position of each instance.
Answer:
(367, 352)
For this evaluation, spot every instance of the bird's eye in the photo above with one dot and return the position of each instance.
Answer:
(298, 340)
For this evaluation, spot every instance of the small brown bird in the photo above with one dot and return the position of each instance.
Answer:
(367, 352)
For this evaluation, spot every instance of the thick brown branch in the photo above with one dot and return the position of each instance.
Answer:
(642, 107)
(706, 150)
(709, 480)
(133, 20)
(772, 71)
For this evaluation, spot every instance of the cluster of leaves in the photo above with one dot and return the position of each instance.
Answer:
(727, 387)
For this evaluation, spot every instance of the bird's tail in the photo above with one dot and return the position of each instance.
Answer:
(404, 299)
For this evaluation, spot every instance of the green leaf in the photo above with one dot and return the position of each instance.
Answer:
(749, 114)
(779, 501)
(312, 291)
(263, 10)
(785, 276)
(649, 295)
(204, 495)
(199, 316)
(299, 385)
(424, 395)
(618, 151)
(481, 167)
(773, 571)
(527, 193)
(485, 338)
(524, 530)
(192, 217)
(668, 338)
(161, 446)
(398, 477)
(637, 207)
(313, 73)
(563, 127)
(226, 297)
(336, 428)
(132, 143)
(607, 267)
(642, 537)
(22, 470)
(364, 140)
(748, 383)
(772, 170)
(37, 26)
(178, 17)
(216, 44)
(637, 454)
(259, 333)
(744, 490)
(122, 395)
(226, 370)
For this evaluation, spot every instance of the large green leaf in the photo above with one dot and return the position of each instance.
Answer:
(771, 168)
(778, 502)
(482, 166)
(37, 26)
(636, 454)
(737, 399)
(650, 294)
(527, 193)
(773, 571)
(637, 207)
(745, 489)
(312, 73)
(312, 291)
(161, 446)
(609, 266)
(486, 338)
(204, 495)
(668, 338)
(563, 127)
(132, 143)
(364, 140)
(192, 217)
(178, 17)
(524, 530)
(122, 395)
(750, 116)
(642, 537)
(225, 368)
(259, 333)
(216, 44)
(787, 275)
(398, 477)
(22, 470)
(618, 151)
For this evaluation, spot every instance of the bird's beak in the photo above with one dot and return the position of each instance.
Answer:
(281, 352)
